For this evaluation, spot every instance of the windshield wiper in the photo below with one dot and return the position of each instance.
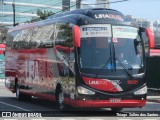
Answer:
(114, 58)
(125, 68)
(114, 61)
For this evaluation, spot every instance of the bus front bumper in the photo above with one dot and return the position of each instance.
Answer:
(106, 103)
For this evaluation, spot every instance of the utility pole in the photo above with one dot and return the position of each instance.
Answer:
(78, 4)
(102, 4)
(14, 16)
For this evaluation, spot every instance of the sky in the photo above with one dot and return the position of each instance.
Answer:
(145, 9)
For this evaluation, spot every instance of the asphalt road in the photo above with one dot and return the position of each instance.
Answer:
(10, 106)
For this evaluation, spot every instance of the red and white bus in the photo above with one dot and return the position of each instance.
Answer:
(84, 58)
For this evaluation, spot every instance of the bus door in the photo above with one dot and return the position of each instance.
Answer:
(148, 39)
(62, 58)
(66, 69)
(142, 32)
(71, 84)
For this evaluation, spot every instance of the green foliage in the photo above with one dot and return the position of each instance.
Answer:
(42, 15)
(67, 33)
(3, 34)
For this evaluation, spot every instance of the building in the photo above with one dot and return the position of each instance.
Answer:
(156, 25)
(102, 4)
(25, 10)
(142, 22)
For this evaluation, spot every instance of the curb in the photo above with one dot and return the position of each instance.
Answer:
(155, 99)
(2, 80)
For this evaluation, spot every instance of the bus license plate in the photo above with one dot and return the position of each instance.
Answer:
(115, 100)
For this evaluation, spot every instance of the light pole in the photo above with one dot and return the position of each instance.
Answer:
(14, 17)
(2, 1)
(65, 5)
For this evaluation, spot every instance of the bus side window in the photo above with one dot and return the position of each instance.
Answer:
(23, 45)
(42, 37)
(26, 36)
(145, 39)
(62, 48)
(11, 39)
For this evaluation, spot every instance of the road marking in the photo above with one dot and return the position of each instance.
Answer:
(124, 119)
(150, 119)
(14, 106)
(152, 103)
(95, 119)
(38, 119)
(10, 119)
(67, 119)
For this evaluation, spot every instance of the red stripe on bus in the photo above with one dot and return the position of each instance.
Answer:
(154, 52)
(105, 103)
(90, 103)
(100, 84)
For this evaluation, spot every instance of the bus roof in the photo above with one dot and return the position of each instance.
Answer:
(92, 13)
(82, 12)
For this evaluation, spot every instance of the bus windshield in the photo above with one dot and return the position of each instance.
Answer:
(114, 55)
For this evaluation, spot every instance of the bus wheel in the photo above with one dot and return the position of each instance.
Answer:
(116, 109)
(60, 99)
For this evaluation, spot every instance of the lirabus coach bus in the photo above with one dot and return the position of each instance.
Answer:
(84, 58)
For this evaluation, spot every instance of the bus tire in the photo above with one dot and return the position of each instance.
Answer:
(60, 99)
(116, 109)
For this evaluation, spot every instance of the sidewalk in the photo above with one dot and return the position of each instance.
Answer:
(2, 82)
(155, 99)
(153, 96)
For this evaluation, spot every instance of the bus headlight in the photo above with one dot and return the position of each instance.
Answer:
(141, 91)
(82, 90)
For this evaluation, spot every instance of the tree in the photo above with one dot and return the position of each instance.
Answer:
(42, 15)
(3, 33)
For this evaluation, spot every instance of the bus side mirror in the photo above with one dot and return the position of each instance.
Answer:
(150, 36)
(76, 36)
(136, 43)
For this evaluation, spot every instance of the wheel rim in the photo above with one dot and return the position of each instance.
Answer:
(61, 100)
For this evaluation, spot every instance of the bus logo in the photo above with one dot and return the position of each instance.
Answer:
(97, 82)
(111, 16)
(91, 82)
